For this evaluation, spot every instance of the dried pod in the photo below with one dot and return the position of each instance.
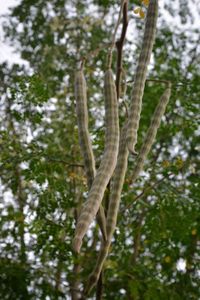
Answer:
(84, 139)
(151, 132)
(107, 165)
(83, 132)
(114, 201)
(140, 76)
(118, 180)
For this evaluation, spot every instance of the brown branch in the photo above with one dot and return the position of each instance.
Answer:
(119, 46)
(99, 290)
(64, 162)
(163, 81)
(109, 58)
(93, 53)
(137, 238)
(74, 286)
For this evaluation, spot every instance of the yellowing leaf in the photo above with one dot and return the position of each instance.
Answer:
(110, 264)
(145, 2)
(194, 232)
(137, 10)
(141, 13)
(179, 162)
(165, 163)
(167, 259)
(72, 175)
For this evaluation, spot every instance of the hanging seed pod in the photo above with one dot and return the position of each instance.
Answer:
(114, 201)
(140, 76)
(118, 180)
(83, 132)
(152, 131)
(84, 139)
(107, 165)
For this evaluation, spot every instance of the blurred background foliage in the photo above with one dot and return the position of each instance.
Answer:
(156, 247)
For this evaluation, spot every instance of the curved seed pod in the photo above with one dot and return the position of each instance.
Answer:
(84, 139)
(152, 131)
(83, 132)
(114, 201)
(101, 220)
(140, 76)
(118, 179)
(94, 276)
(117, 184)
(107, 165)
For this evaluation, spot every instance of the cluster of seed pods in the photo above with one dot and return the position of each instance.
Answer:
(85, 141)
(140, 75)
(108, 162)
(114, 162)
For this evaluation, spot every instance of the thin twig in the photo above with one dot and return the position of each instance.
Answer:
(137, 238)
(64, 162)
(163, 81)
(147, 189)
(99, 289)
(119, 46)
(94, 53)
(109, 59)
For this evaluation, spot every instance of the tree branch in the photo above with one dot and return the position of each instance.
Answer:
(119, 46)
(147, 189)
(99, 289)
(164, 81)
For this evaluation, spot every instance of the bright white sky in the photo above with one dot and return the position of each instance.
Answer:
(7, 3)
(6, 52)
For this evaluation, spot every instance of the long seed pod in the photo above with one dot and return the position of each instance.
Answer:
(151, 132)
(83, 132)
(84, 139)
(118, 180)
(107, 165)
(114, 201)
(140, 76)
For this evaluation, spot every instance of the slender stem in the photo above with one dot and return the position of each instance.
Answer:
(99, 290)
(145, 191)
(163, 81)
(109, 58)
(119, 46)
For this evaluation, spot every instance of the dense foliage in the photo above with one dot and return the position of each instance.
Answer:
(156, 248)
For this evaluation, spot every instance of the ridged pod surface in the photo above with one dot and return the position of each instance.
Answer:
(83, 132)
(118, 180)
(107, 165)
(114, 201)
(151, 132)
(84, 139)
(127, 144)
(140, 76)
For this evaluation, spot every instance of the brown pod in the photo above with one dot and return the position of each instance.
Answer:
(107, 165)
(84, 139)
(140, 76)
(151, 132)
(114, 201)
